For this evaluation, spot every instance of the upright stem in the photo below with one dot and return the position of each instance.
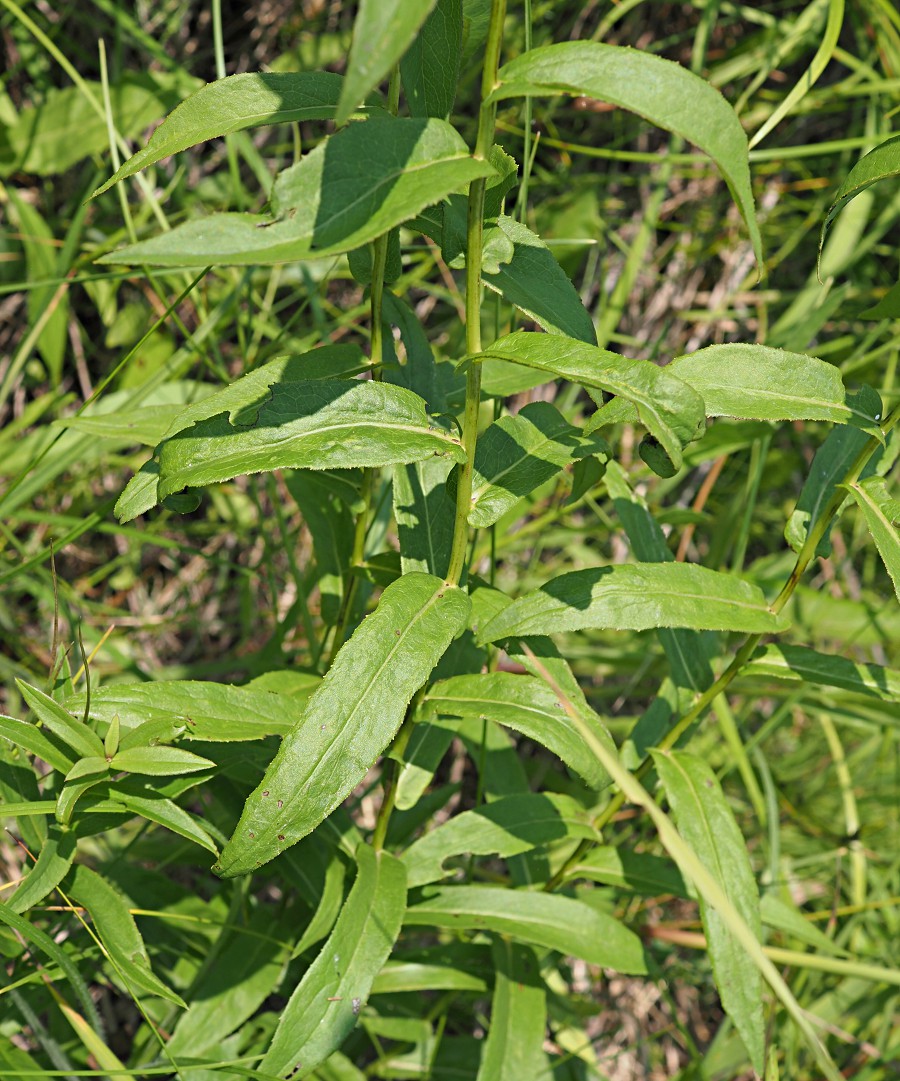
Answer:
(487, 116)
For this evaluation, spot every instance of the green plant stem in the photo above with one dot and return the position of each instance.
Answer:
(743, 655)
(487, 116)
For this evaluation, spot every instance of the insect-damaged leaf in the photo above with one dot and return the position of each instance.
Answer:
(350, 719)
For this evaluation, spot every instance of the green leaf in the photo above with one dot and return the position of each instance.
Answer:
(881, 511)
(159, 761)
(325, 204)
(32, 739)
(118, 932)
(882, 163)
(88, 767)
(235, 104)
(83, 740)
(541, 919)
(504, 828)
(425, 514)
(666, 94)
(888, 307)
(253, 960)
(382, 32)
(800, 664)
(52, 865)
(514, 1048)
(527, 705)
(538, 286)
(637, 597)
(517, 454)
(156, 808)
(430, 740)
(430, 67)
(212, 712)
(707, 824)
(323, 1009)
(637, 872)
(350, 719)
(330, 525)
(668, 408)
(320, 424)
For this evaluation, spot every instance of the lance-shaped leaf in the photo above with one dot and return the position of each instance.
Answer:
(708, 825)
(517, 454)
(195, 709)
(538, 286)
(235, 104)
(669, 409)
(118, 932)
(330, 524)
(52, 866)
(320, 424)
(323, 1009)
(637, 597)
(526, 704)
(666, 94)
(505, 827)
(83, 740)
(165, 812)
(326, 204)
(382, 32)
(636, 872)
(350, 719)
(158, 761)
(541, 919)
(430, 68)
(425, 515)
(882, 513)
(34, 740)
(800, 664)
(514, 1048)
(882, 163)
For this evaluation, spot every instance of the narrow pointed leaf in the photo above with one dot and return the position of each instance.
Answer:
(235, 104)
(637, 597)
(323, 1009)
(505, 827)
(32, 739)
(538, 286)
(165, 812)
(330, 525)
(882, 163)
(430, 740)
(52, 866)
(541, 919)
(800, 664)
(669, 409)
(158, 761)
(666, 94)
(317, 425)
(636, 872)
(527, 705)
(326, 204)
(430, 67)
(350, 719)
(707, 824)
(517, 454)
(514, 1048)
(882, 514)
(382, 32)
(83, 740)
(425, 514)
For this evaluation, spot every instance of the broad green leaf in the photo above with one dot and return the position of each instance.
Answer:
(319, 424)
(400, 976)
(882, 163)
(514, 1048)
(504, 828)
(637, 597)
(253, 959)
(541, 919)
(666, 94)
(326, 204)
(830, 465)
(527, 705)
(668, 408)
(32, 739)
(85, 768)
(165, 812)
(637, 872)
(330, 525)
(52, 866)
(800, 664)
(83, 740)
(323, 1009)
(430, 67)
(425, 514)
(707, 824)
(234, 104)
(43, 942)
(350, 719)
(51, 137)
(517, 454)
(881, 511)
(118, 932)
(538, 286)
(382, 32)
(158, 761)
